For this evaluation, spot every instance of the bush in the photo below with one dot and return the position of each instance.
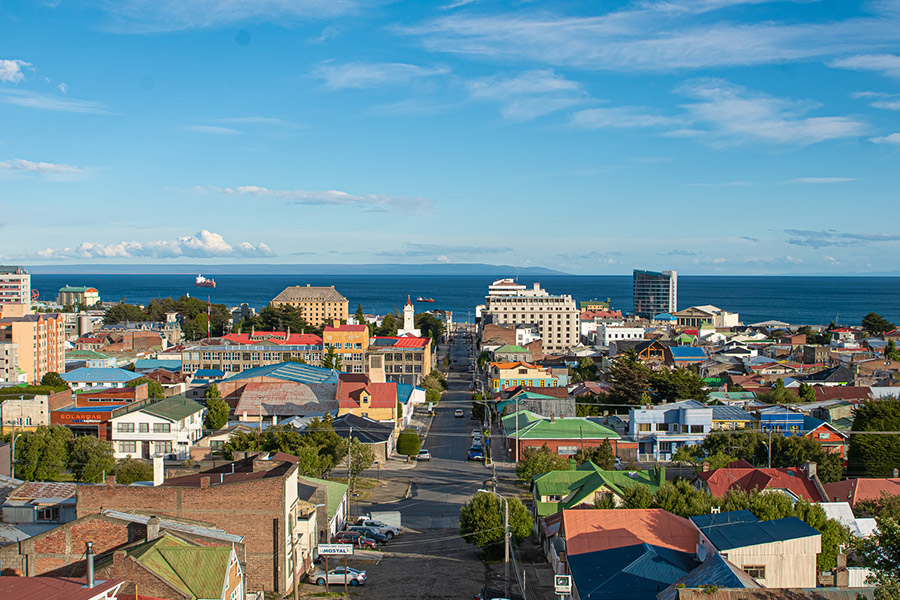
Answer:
(432, 395)
(408, 443)
(129, 470)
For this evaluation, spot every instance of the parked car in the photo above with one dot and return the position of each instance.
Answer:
(475, 453)
(353, 537)
(370, 533)
(339, 575)
(458, 413)
(476, 432)
(383, 528)
(423, 455)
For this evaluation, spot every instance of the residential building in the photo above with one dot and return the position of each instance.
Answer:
(660, 430)
(715, 572)
(556, 317)
(843, 514)
(358, 394)
(857, 490)
(318, 305)
(513, 374)
(25, 411)
(684, 356)
(611, 333)
(511, 353)
(555, 491)
(654, 292)
(832, 439)
(9, 362)
(74, 295)
(350, 344)
(838, 375)
(246, 353)
(40, 340)
(648, 351)
(44, 504)
(254, 497)
(379, 436)
(87, 378)
(168, 427)
(794, 482)
(779, 419)
(727, 418)
(404, 359)
(15, 287)
(564, 436)
(778, 554)
(337, 497)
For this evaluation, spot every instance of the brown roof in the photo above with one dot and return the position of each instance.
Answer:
(285, 399)
(589, 530)
(841, 392)
(54, 588)
(856, 490)
(43, 489)
(792, 479)
(298, 293)
(556, 392)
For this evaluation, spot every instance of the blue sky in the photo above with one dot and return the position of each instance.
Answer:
(707, 136)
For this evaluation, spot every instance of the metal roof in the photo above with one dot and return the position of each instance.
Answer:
(174, 408)
(219, 534)
(738, 529)
(290, 371)
(99, 374)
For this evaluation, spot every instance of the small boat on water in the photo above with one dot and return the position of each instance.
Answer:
(421, 299)
(202, 281)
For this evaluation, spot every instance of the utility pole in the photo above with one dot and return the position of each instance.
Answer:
(506, 543)
(770, 448)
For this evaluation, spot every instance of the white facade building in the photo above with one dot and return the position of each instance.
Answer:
(607, 334)
(555, 317)
(168, 427)
(15, 286)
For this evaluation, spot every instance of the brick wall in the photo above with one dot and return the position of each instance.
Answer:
(137, 579)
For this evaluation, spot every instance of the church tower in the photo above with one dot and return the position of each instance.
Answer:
(409, 315)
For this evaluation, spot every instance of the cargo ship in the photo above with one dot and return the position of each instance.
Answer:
(202, 281)
(421, 299)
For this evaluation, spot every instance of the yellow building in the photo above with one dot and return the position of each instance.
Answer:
(319, 305)
(350, 343)
(513, 374)
(358, 395)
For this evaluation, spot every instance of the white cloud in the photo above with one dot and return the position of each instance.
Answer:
(621, 116)
(63, 88)
(374, 202)
(733, 114)
(368, 75)
(11, 70)
(886, 104)
(213, 129)
(45, 102)
(204, 244)
(886, 64)
(442, 259)
(893, 138)
(528, 95)
(821, 180)
(45, 168)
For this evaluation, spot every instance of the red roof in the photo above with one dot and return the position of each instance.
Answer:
(842, 392)
(274, 337)
(589, 530)
(346, 328)
(350, 390)
(55, 588)
(407, 341)
(856, 490)
(792, 479)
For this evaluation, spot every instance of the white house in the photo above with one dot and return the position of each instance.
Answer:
(168, 427)
(610, 333)
(87, 377)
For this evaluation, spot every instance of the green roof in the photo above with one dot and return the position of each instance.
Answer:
(199, 571)
(85, 354)
(174, 409)
(536, 427)
(335, 491)
(510, 348)
(576, 486)
(74, 288)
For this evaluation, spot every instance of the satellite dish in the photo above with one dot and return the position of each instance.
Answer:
(35, 295)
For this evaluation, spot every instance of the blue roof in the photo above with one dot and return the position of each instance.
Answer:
(738, 529)
(208, 373)
(290, 371)
(636, 572)
(687, 352)
(100, 374)
(404, 391)
(716, 571)
(172, 364)
(664, 317)
(731, 413)
(89, 408)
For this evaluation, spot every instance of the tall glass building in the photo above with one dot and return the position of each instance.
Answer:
(655, 292)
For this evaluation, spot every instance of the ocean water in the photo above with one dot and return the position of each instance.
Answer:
(797, 300)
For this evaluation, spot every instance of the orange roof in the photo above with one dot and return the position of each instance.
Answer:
(512, 365)
(381, 395)
(857, 490)
(792, 479)
(589, 530)
(274, 337)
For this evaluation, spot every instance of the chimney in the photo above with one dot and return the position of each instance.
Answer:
(274, 420)
(335, 323)
(841, 574)
(159, 471)
(895, 473)
(810, 468)
(110, 480)
(152, 528)
(119, 558)
(204, 482)
(89, 553)
(705, 467)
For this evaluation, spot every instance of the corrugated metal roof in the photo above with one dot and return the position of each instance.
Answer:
(177, 526)
(635, 572)
(589, 530)
(99, 374)
(738, 529)
(290, 371)
(174, 408)
(716, 571)
(56, 588)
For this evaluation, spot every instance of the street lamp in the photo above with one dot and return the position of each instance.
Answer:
(505, 537)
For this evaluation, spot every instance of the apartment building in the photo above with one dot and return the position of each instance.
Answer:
(319, 305)
(654, 292)
(15, 286)
(350, 343)
(232, 358)
(167, 427)
(40, 339)
(556, 317)
(9, 362)
(405, 359)
(76, 295)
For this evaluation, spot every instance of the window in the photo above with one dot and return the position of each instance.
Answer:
(162, 428)
(755, 571)
(144, 427)
(662, 427)
(128, 447)
(823, 436)
(125, 427)
(567, 450)
(163, 447)
(696, 428)
(644, 426)
(216, 445)
(51, 513)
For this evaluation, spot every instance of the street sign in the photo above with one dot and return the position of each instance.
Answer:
(562, 584)
(335, 549)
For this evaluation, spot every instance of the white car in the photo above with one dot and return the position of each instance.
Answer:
(387, 530)
(339, 575)
(458, 413)
(476, 432)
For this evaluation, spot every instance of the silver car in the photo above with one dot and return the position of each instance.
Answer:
(339, 575)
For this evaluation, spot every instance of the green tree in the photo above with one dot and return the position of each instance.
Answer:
(154, 388)
(875, 455)
(778, 395)
(874, 324)
(481, 523)
(682, 499)
(389, 326)
(321, 435)
(129, 470)
(430, 326)
(677, 384)
(537, 461)
(807, 393)
(55, 381)
(881, 553)
(119, 313)
(361, 458)
(331, 360)
(585, 371)
(891, 352)
(91, 459)
(629, 378)
(360, 315)
(408, 442)
(637, 496)
(603, 456)
(483, 359)
(43, 454)
(284, 317)
(432, 395)
(604, 501)
(217, 411)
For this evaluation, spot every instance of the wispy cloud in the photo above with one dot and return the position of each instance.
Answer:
(817, 180)
(893, 138)
(443, 250)
(621, 117)
(677, 253)
(604, 257)
(203, 244)
(258, 120)
(54, 103)
(528, 95)
(886, 64)
(722, 184)
(370, 74)
(372, 202)
(147, 16)
(832, 237)
(750, 238)
(43, 168)
(11, 70)
(213, 129)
